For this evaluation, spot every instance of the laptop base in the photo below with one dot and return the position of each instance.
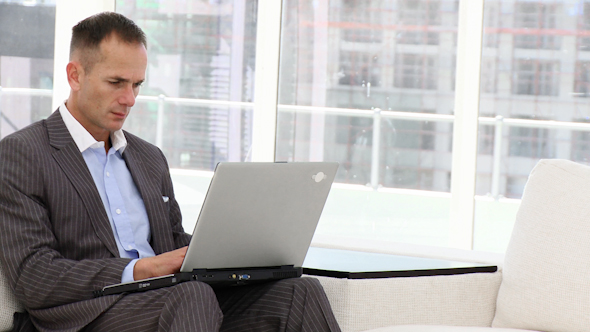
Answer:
(245, 276)
(213, 277)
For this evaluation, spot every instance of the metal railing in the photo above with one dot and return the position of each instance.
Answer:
(162, 100)
(499, 122)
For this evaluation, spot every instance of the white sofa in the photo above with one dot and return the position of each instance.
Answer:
(8, 304)
(544, 284)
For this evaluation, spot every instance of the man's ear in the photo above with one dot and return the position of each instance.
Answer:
(74, 71)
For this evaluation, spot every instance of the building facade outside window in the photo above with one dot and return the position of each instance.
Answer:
(536, 77)
(358, 68)
(358, 21)
(532, 18)
(530, 143)
(584, 25)
(418, 16)
(582, 80)
(416, 71)
(580, 145)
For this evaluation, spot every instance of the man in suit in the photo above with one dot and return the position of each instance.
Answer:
(84, 204)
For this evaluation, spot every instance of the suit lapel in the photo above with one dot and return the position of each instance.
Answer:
(73, 165)
(148, 183)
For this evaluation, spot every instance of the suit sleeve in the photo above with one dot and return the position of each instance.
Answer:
(40, 276)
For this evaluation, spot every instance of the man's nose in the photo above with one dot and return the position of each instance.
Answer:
(128, 97)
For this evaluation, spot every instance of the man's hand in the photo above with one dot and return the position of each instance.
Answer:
(157, 266)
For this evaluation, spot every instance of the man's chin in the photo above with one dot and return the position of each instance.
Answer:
(116, 125)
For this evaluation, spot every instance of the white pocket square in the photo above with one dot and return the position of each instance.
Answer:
(165, 199)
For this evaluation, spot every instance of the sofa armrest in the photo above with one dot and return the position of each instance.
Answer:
(459, 300)
(8, 304)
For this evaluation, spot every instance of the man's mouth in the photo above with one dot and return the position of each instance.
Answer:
(120, 114)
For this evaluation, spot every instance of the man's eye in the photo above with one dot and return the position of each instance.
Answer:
(114, 82)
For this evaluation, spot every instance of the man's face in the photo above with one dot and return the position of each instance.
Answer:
(107, 92)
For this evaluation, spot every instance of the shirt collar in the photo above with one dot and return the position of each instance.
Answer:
(82, 137)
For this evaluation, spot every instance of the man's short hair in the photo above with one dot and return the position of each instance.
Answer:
(90, 32)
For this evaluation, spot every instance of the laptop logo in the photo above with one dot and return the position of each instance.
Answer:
(319, 177)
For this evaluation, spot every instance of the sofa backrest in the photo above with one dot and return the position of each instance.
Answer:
(546, 277)
(8, 304)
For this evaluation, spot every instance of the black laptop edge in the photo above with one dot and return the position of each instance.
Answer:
(213, 277)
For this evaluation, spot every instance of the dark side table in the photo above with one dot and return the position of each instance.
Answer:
(361, 265)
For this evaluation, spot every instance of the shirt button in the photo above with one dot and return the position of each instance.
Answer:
(108, 174)
(130, 247)
(118, 211)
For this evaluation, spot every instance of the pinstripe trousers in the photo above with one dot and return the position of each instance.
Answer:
(297, 304)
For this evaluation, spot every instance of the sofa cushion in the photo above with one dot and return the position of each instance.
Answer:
(437, 328)
(363, 304)
(8, 304)
(546, 277)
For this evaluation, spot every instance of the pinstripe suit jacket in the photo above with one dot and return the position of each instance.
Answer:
(57, 245)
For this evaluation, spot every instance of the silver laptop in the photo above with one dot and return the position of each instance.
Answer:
(259, 215)
(256, 224)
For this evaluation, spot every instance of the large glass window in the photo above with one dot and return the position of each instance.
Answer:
(26, 62)
(362, 83)
(367, 83)
(534, 74)
(196, 103)
(201, 59)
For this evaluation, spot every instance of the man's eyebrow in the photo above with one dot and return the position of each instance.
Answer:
(122, 79)
(117, 78)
